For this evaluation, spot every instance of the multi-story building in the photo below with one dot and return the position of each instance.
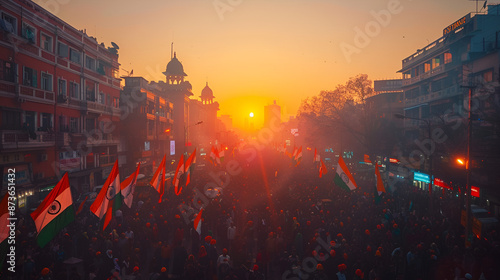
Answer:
(387, 99)
(59, 102)
(437, 80)
(148, 117)
(204, 110)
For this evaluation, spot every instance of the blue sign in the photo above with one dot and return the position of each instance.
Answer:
(422, 177)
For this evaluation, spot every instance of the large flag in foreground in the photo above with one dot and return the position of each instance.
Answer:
(128, 187)
(158, 180)
(190, 166)
(197, 222)
(4, 230)
(109, 198)
(54, 213)
(343, 178)
(178, 173)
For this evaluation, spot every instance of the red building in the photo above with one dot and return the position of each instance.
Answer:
(59, 103)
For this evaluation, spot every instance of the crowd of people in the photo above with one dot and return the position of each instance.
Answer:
(273, 220)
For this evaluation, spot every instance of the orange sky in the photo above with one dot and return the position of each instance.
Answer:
(254, 51)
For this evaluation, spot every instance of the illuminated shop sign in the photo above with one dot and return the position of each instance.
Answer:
(422, 177)
(456, 25)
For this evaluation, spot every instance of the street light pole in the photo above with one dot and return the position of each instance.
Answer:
(186, 135)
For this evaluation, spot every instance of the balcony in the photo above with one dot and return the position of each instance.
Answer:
(102, 139)
(62, 139)
(17, 139)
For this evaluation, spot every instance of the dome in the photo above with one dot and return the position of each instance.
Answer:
(174, 67)
(207, 92)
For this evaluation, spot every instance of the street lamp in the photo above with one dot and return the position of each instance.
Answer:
(428, 123)
(186, 135)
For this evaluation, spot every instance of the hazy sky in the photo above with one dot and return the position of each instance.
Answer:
(254, 51)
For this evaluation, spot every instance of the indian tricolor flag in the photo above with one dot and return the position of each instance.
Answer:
(380, 185)
(190, 163)
(343, 178)
(4, 230)
(177, 176)
(158, 180)
(221, 151)
(54, 213)
(197, 222)
(128, 187)
(109, 198)
(298, 155)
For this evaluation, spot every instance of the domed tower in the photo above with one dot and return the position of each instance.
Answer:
(178, 92)
(207, 95)
(175, 71)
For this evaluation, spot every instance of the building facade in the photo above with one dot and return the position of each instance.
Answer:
(59, 99)
(437, 81)
(148, 117)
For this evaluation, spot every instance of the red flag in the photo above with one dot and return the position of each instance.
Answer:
(322, 169)
(380, 183)
(177, 176)
(158, 180)
(197, 222)
(80, 208)
(367, 159)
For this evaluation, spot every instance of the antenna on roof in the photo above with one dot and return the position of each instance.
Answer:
(172, 51)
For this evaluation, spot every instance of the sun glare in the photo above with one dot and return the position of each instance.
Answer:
(251, 114)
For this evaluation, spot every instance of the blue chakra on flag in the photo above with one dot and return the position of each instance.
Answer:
(344, 178)
(54, 208)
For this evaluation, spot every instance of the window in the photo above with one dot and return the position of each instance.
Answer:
(63, 124)
(11, 120)
(102, 98)
(46, 121)
(75, 56)
(447, 58)
(488, 76)
(90, 63)
(46, 43)
(29, 77)
(90, 93)
(436, 62)
(46, 81)
(108, 100)
(90, 122)
(73, 125)
(115, 102)
(29, 32)
(7, 71)
(10, 23)
(74, 90)
(62, 87)
(101, 67)
(427, 66)
(62, 49)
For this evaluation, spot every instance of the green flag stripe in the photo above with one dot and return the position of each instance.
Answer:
(52, 229)
(339, 182)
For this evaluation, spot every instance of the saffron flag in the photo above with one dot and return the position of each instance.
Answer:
(190, 162)
(109, 198)
(317, 157)
(54, 213)
(177, 176)
(80, 208)
(4, 229)
(380, 183)
(343, 178)
(322, 169)
(379, 188)
(158, 180)
(128, 187)
(197, 222)
(294, 153)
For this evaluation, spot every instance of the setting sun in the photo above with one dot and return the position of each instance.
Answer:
(251, 114)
